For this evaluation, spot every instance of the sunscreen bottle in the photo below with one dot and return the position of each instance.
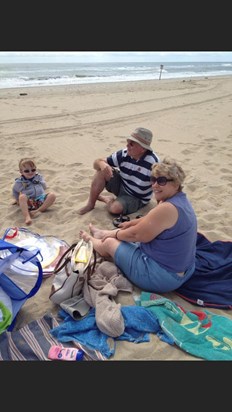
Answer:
(66, 354)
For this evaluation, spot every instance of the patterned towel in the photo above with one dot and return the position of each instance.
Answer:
(198, 332)
(33, 341)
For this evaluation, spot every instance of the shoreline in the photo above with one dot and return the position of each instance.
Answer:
(191, 121)
(117, 83)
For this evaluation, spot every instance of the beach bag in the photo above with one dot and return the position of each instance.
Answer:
(51, 248)
(76, 264)
(20, 278)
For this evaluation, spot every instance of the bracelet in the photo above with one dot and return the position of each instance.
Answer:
(116, 234)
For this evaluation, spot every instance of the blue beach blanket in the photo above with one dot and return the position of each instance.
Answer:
(211, 283)
(139, 322)
(200, 333)
(33, 341)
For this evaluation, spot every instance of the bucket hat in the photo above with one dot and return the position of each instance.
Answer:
(143, 137)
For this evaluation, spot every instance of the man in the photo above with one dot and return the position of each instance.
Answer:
(126, 174)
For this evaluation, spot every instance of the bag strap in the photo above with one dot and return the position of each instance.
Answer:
(90, 269)
(59, 266)
(26, 256)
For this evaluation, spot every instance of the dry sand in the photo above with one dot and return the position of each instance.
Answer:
(65, 128)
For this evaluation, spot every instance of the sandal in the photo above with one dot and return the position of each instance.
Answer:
(120, 219)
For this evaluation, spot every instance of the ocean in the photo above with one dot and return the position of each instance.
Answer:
(55, 74)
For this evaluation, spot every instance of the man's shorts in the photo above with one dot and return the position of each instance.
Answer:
(130, 203)
(34, 204)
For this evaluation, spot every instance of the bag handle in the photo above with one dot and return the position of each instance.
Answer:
(60, 266)
(30, 256)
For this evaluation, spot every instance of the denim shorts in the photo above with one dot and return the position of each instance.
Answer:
(144, 272)
(130, 203)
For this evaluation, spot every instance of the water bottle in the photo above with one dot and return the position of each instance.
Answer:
(66, 354)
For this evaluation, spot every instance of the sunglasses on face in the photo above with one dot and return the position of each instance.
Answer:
(131, 143)
(29, 171)
(161, 180)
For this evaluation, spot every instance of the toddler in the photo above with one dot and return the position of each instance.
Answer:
(29, 191)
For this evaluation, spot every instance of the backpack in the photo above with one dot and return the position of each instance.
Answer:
(21, 276)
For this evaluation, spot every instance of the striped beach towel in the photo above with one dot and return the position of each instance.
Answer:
(33, 341)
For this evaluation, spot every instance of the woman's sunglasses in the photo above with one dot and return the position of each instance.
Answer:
(28, 171)
(161, 180)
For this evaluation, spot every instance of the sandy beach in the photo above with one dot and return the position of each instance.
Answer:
(65, 128)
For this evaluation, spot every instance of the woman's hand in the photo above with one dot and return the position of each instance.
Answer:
(125, 225)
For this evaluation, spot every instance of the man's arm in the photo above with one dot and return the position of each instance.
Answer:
(100, 164)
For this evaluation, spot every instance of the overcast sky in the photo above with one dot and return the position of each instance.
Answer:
(108, 56)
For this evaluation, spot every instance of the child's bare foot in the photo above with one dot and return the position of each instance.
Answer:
(35, 213)
(14, 202)
(28, 221)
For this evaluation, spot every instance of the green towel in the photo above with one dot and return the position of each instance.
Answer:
(200, 333)
(5, 317)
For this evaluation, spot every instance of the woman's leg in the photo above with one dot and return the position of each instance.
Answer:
(107, 248)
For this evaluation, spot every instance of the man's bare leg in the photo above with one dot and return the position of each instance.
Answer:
(106, 199)
(97, 186)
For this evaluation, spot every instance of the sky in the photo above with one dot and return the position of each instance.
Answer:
(112, 56)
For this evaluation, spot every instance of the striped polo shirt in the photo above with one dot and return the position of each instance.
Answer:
(135, 174)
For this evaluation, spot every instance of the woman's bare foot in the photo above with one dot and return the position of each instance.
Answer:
(98, 233)
(85, 236)
(85, 209)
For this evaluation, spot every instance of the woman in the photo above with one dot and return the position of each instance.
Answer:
(157, 251)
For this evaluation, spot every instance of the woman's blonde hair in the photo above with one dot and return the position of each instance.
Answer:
(26, 161)
(171, 169)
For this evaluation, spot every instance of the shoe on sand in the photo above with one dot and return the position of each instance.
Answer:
(120, 219)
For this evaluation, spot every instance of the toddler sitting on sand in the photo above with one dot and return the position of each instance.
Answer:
(29, 191)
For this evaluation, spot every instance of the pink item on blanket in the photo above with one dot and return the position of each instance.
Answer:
(65, 354)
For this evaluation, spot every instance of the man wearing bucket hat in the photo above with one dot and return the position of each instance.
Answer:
(126, 174)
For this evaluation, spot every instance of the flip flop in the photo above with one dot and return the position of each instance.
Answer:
(120, 219)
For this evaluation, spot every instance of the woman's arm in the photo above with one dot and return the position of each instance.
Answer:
(148, 227)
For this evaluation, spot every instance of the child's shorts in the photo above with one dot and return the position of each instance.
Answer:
(34, 204)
